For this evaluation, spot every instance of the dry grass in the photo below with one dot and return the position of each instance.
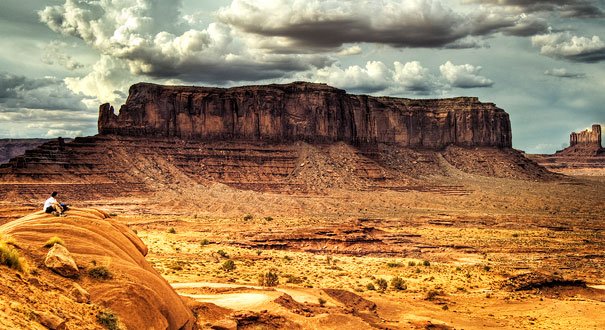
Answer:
(9, 257)
(52, 241)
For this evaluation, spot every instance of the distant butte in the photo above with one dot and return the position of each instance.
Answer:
(585, 154)
(587, 142)
(304, 111)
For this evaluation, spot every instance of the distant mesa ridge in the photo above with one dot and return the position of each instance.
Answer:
(302, 111)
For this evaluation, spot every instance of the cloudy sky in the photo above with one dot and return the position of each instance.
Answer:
(542, 61)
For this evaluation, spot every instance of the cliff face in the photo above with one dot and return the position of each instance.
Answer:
(587, 137)
(304, 111)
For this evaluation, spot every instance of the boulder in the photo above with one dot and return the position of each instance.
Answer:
(50, 320)
(60, 261)
(80, 294)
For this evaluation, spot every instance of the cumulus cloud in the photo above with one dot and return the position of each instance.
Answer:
(412, 76)
(564, 45)
(464, 76)
(155, 40)
(401, 78)
(106, 82)
(563, 73)
(413, 23)
(565, 8)
(374, 77)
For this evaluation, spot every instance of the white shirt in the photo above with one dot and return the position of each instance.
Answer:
(49, 202)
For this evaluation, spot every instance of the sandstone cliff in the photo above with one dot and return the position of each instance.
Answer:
(307, 112)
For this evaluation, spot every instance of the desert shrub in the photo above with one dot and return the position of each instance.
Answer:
(100, 273)
(259, 252)
(370, 286)
(172, 230)
(411, 263)
(10, 257)
(293, 279)
(382, 284)
(515, 235)
(432, 294)
(486, 268)
(113, 214)
(322, 302)
(268, 218)
(248, 217)
(108, 320)
(287, 258)
(268, 279)
(51, 241)
(445, 307)
(397, 283)
(204, 242)
(228, 266)
(222, 253)
(426, 263)
(393, 264)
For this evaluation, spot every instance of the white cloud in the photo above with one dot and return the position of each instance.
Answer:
(401, 78)
(564, 45)
(412, 76)
(464, 76)
(353, 50)
(153, 38)
(107, 82)
(375, 76)
(563, 73)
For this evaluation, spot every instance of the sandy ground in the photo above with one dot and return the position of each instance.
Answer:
(455, 252)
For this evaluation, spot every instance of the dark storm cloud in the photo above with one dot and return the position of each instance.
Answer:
(154, 41)
(414, 24)
(565, 8)
(19, 92)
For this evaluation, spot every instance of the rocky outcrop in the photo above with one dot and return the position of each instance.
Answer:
(307, 112)
(587, 137)
(136, 292)
(10, 148)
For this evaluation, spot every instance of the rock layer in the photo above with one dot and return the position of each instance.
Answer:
(307, 112)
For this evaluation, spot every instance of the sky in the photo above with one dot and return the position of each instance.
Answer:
(541, 61)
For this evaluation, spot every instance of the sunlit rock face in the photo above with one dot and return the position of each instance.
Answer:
(303, 111)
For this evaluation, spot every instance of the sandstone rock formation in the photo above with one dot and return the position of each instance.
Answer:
(587, 137)
(584, 156)
(305, 111)
(137, 293)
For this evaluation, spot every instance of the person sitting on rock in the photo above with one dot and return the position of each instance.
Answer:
(51, 205)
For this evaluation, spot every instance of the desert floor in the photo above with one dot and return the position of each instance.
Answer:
(492, 253)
